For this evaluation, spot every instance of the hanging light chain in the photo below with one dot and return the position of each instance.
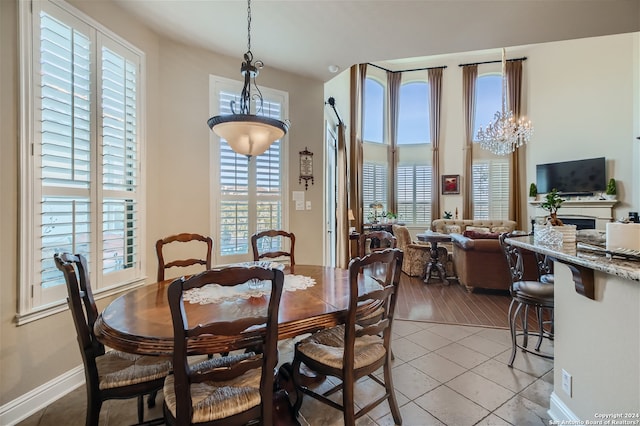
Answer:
(248, 25)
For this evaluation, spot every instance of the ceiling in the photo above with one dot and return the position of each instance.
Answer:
(307, 36)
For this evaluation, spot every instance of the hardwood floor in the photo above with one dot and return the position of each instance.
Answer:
(452, 304)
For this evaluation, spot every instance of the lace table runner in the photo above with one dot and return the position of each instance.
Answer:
(215, 293)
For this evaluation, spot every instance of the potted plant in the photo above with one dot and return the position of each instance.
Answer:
(392, 217)
(610, 192)
(533, 192)
(552, 203)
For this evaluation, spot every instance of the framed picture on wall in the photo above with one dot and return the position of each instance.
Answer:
(450, 184)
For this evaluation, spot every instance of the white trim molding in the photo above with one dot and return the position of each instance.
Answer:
(559, 412)
(31, 402)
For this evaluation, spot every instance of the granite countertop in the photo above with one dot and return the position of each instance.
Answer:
(569, 253)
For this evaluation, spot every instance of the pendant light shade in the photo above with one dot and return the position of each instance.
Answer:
(246, 133)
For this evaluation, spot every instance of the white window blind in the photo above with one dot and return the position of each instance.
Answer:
(83, 121)
(413, 185)
(491, 189)
(251, 190)
(374, 184)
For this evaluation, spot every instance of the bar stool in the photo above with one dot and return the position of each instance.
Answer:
(525, 294)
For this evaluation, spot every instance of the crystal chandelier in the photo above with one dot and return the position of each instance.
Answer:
(504, 134)
(247, 133)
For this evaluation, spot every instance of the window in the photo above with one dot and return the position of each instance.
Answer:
(374, 184)
(490, 173)
(414, 193)
(413, 114)
(375, 150)
(373, 111)
(490, 189)
(250, 196)
(488, 100)
(81, 149)
(413, 172)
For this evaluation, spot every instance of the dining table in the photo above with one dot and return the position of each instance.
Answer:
(139, 321)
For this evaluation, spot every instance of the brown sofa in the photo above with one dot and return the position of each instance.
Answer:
(450, 226)
(459, 226)
(480, 262)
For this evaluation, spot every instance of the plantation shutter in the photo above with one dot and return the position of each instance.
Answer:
(374, 184)
(413, 183)
(491, 189)
(119, 161)
(85, 162)
(65, 151)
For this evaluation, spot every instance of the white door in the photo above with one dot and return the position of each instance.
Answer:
(330, 197)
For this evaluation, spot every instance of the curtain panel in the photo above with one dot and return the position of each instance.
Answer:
(342, 215)
(435, 109)
(469, 76)
(516, 165)
(393, 82)
(358, 73)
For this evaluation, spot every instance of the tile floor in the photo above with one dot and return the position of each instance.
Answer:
(443, 375)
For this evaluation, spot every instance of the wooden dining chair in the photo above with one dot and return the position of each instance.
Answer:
(182, 238)
(112, 374)
(360, 346)
(375, 241)
(270, 243)
(228, 390)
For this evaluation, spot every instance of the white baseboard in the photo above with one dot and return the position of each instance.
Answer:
(558, 411)
(22, 407)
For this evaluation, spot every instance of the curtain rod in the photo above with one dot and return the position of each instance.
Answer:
(414, 69)
(493, 62)
(332, 103)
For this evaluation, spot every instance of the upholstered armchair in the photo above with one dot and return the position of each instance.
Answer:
(417, 254)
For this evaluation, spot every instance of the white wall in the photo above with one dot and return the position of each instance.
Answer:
(583, 97)
(598, 343)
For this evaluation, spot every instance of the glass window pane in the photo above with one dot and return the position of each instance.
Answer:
(234, 227)
(413, 114)
(488, 100)
(373, 114)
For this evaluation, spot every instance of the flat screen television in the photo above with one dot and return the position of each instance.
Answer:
(572, 177)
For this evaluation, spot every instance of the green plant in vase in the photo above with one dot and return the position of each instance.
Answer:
(611, 189)
(552, 203)
(533, 191)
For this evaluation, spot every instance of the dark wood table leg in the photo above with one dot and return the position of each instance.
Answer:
(435, 264)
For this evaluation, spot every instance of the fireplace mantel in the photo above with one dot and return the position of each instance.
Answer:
(601, 210)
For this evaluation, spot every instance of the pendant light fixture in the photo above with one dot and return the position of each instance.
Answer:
(247, 133)
(504, 134)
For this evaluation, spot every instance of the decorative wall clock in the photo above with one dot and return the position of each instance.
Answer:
(306, 168)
